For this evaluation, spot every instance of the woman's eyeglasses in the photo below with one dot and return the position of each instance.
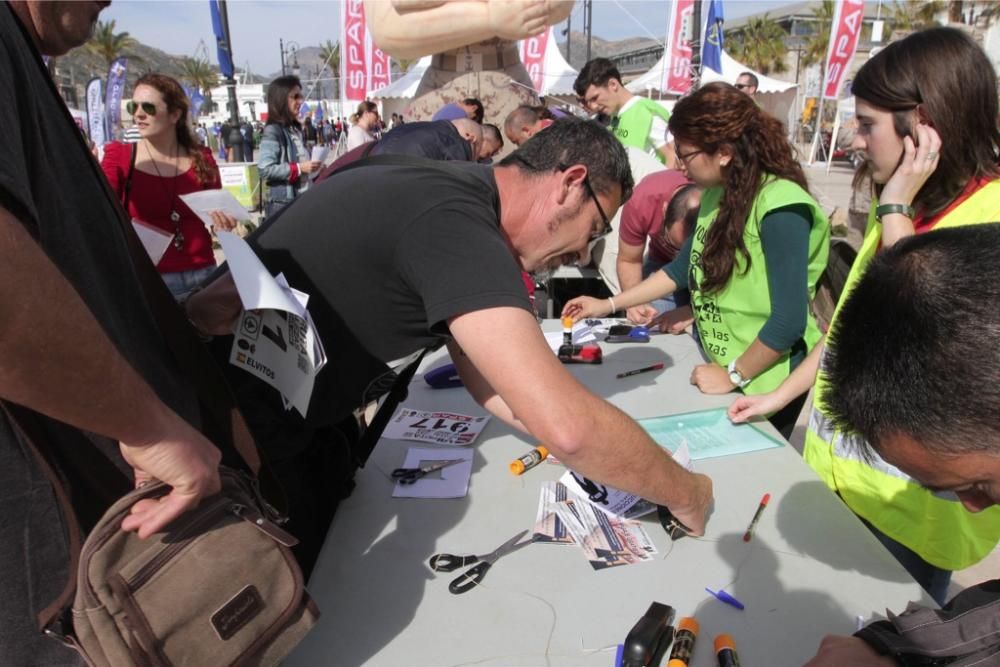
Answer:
(148, 108)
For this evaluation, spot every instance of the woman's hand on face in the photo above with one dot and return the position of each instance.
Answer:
(919, 162)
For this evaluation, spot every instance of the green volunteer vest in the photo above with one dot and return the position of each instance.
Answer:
(730, 319)
(632, 127)
(935, 526)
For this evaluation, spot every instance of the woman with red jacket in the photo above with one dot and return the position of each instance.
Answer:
(169, 162)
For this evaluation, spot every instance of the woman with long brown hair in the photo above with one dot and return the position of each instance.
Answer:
(169, 162)
(759, 246)
(927, 115)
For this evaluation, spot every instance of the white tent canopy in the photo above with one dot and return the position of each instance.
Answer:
(558, 75)
(731, 70)
(406, 85)
(773, 95)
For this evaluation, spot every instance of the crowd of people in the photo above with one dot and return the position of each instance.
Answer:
(412, 240)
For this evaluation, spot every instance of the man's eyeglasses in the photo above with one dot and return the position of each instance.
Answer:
(607, 229)
(147, 107)
(607, 223)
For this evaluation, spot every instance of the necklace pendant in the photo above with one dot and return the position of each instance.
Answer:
(179, 241)
(175, 216)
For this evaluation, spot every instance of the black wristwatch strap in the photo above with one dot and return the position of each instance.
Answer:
(888, 209)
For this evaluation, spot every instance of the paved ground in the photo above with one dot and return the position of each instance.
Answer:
(833, 190)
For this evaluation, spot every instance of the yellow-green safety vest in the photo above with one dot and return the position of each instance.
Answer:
(934, 525)
(632, 127)
(730, 319)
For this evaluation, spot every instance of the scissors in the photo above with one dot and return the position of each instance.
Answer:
(474, 575)
(411, 475)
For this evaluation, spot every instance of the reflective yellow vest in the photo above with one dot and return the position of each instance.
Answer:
(632, 127)
(934, 525)
(730, 319)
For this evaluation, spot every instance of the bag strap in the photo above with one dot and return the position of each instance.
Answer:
(128, 178)
(397, 394)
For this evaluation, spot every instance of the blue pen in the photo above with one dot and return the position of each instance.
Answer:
(723, 596)
(619, 655)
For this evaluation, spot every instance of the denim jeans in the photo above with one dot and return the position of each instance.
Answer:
(33, 557)
(182, 283)
(932, 579)
(671, 302)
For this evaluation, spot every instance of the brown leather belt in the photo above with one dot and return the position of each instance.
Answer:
(469, 60)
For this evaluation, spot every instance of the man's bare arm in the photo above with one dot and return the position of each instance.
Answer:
(587, 433)
(57, 360)
(629, 266)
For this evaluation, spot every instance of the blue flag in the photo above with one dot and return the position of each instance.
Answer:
(196, 99)
(304, 110)
(711, 52)
(222, 47)
(113, 97)
(318, 114)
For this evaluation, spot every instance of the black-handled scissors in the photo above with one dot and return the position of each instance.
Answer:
(474, 575)
(411, 475)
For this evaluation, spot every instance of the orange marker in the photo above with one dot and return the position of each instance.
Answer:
(529, 460)
(687, 633)
(567, 323)
(753, 523)
(725, 651)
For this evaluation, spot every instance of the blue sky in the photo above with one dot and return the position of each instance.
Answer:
(177, 26)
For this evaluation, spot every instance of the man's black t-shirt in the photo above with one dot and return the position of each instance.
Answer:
(435, 140)
(396, 251)
(54, 187)
(52, 184)
(388, 254)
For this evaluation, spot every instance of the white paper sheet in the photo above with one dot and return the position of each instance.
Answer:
(275, 338)
(449, 482)
(607, 541)
(439, 428)
(153, 239)
(613, 501)
(206, 201)
(319, 153)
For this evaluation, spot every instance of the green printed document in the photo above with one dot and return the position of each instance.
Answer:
(708, 434)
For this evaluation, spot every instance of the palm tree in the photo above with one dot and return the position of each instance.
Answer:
(200, 74)
(761, 45)
(915, 14)
(404, 64)
(819, 41)
(330, 54)
(109, 45)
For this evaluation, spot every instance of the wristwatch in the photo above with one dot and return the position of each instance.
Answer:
(889, 209)
(736, 377)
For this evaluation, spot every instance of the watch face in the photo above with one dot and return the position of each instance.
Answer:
(735, 378)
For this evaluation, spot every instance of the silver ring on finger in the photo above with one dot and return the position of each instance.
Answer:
(932, 155)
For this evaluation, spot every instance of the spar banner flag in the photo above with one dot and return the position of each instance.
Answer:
(533, 57)
(113, 98)
(353, 61)
(845, 31)
(378, 65)
(95, 117)
(711, 52)
(677, 62)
